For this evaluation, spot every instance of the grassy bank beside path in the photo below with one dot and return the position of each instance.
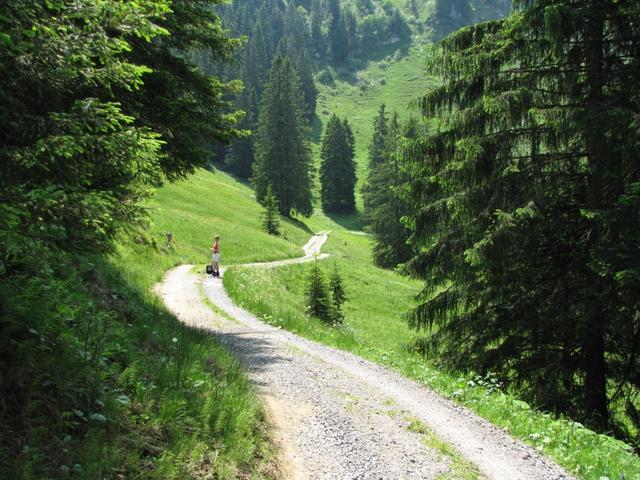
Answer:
(110, 385)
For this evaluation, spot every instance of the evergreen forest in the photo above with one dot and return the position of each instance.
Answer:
(473, 165)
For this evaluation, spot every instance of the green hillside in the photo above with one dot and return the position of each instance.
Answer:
(396, 80)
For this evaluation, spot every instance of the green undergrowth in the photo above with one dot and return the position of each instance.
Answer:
(374, 328)
(112, 386)
(98, 380)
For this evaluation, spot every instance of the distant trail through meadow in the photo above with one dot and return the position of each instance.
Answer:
(337, 416)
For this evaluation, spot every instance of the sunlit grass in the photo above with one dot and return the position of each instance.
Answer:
(209, 204)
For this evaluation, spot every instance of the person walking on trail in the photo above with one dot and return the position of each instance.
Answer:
(215, 257)
(170, 243)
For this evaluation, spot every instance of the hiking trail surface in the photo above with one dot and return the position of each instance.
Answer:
(337, 416)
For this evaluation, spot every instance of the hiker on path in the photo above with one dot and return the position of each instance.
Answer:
(170, 243)
(215, 257)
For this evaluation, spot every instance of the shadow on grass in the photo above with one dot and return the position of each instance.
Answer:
(347, 71)
(351, 221)
(296, 222)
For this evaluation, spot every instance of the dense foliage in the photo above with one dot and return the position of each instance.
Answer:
(98, 103)
(384, 207)
(525, 206)
(178, 99)
(73, 166)
(337, 168)
(450, 15)
(283, 159)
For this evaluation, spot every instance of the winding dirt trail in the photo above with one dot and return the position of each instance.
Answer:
(337, 416)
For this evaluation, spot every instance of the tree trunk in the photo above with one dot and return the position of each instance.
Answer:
(594, 345)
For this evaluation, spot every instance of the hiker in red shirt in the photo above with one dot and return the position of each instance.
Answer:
(215, 258)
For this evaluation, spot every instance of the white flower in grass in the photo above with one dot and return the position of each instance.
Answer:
(174, 340)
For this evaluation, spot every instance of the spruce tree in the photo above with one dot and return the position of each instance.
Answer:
(182, 102)
(338, 295)
(377, 152)
(525, 204)
(317, 294)
(300, 60)
(282, 155)
(240, 154)
(271, 214)
(384, 207)
(318, 40)
(338, 33)
(338, 169)
(377, 146)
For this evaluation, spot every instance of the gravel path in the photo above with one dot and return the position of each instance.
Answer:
(337, 416)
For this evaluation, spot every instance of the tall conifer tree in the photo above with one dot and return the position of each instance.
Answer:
(282, 154)
(177, 99)
(338, 169)
(300, 60)
(526, 204)
(240, 155)
(376, 152)
(384, 208)
(377, 146)
(338, 33)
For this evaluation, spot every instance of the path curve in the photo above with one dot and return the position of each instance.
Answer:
(337, 416)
